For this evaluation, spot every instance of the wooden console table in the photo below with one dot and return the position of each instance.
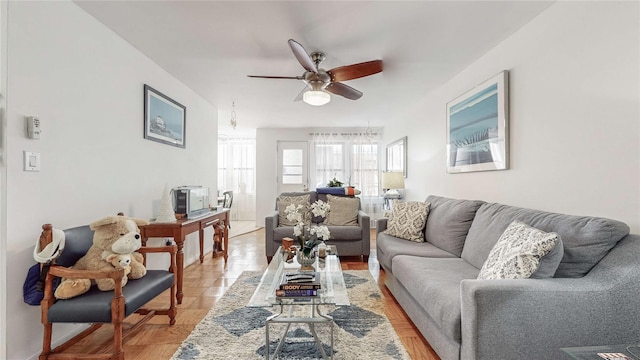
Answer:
(180, 229)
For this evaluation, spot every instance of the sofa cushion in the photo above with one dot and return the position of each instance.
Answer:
(586, 239)
(388, 247)
(437, 289)
(286, 200)
(449, 222)
(407, 220)
(519, 253)
(343, 210)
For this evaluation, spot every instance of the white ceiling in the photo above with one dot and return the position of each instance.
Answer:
(212, 45)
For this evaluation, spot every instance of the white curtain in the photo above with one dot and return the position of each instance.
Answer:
(237, 172)
(365, 158)
(352, 158)
(328, 160)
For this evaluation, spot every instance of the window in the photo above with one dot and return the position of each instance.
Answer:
(329, 163)
(292, 166)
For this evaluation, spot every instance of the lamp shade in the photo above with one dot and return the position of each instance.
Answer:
(316, 97)
(392, 180)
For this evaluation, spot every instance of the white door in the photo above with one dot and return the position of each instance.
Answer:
(293, 169)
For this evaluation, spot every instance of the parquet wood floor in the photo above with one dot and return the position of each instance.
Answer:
(205, 283)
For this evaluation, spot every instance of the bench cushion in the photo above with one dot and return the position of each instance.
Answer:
(94, 306)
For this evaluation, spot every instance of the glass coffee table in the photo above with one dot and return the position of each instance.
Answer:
(332, 292)
(605, 352)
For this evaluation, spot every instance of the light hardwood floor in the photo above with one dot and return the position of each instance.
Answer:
(205, 283)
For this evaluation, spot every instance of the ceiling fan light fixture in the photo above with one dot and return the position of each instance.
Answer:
(316, 97)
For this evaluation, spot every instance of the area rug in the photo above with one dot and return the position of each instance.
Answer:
(233, 331)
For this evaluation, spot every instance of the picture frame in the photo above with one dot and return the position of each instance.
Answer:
(478, 127)
(164, 118)
(396, 159)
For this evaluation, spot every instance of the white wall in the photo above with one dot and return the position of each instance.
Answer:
(266, 166)
(86, 85)
(575, 129)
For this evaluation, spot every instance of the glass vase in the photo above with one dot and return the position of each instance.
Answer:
(306, 261)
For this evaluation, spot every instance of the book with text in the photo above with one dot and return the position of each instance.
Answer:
(296, 293)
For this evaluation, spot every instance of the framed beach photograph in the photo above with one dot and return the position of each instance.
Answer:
(477, 127)
(164, 118)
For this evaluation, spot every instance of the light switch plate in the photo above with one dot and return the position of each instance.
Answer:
(31, 161)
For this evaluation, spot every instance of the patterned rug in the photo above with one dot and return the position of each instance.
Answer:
(233, 331)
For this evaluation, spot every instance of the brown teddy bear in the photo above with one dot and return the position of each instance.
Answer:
(121, 261)
(112, 235)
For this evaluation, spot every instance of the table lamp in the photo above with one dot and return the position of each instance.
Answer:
(391, 181)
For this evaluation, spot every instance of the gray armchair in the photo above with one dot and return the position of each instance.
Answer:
(349, 240)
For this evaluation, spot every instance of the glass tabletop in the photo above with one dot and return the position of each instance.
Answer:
(332, 292)
(606, 352)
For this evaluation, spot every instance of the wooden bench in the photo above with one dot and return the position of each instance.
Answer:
(100, 307)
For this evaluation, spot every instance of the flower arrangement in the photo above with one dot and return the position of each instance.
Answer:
(307, 235)
(334, 183)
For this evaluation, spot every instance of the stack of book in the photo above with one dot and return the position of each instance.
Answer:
(299, 284)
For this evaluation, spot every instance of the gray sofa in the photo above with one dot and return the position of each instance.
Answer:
(592, 299)
(349, 240)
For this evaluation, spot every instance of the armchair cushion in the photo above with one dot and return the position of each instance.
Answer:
(343, 210)
(286, 200)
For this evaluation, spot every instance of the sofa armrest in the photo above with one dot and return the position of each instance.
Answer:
(543, 315)
(381, 225)
(270, 223)
(365, 223)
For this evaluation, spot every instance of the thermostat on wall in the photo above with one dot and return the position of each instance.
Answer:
(33, 127)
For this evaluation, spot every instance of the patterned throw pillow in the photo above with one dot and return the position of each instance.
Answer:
(518, 252)
(343, 210)
(408, 219)
(284, 201)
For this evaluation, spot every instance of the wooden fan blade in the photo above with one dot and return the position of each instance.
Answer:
(276, 77)
(301, 94)
(344, 90)
(355, 71)
(303, 57)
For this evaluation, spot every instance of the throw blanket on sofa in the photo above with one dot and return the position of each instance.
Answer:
(338, 191)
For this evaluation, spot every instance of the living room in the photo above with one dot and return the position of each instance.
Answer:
(574, 130)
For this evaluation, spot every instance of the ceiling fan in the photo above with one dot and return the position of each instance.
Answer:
(321, 82)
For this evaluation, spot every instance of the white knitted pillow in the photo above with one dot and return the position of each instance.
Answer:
(518, 252)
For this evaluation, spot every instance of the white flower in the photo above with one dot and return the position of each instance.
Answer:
(303, 229)
(321, 232)
(293, 212)
(320, 208)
